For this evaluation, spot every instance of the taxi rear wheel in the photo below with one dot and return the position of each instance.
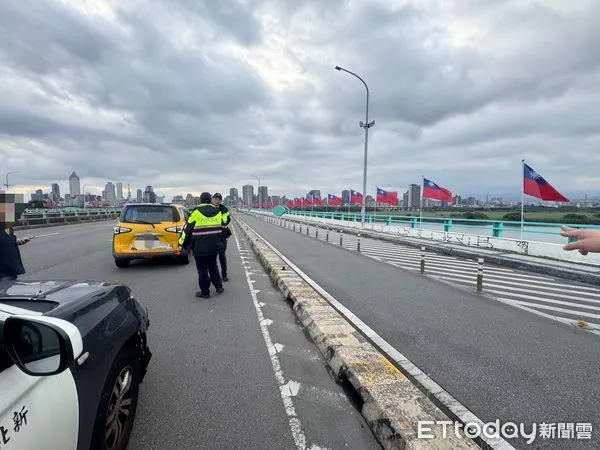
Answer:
(122, 262)
(183, 259)
(118, 404)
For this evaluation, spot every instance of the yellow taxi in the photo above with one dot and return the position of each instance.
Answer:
(147, 231)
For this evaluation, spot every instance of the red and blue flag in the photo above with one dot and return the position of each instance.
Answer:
(389, 197)
(334, 200)
(355, 197)
(435, 192)
(536, 186)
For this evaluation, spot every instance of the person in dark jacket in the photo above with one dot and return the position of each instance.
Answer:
(217, 202)
(203, 233)
(11, 265)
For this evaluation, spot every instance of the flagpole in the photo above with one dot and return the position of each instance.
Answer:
(522, 195)
(421, 203)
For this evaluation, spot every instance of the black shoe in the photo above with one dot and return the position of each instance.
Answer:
(202, 295)
(220, 290)
(225, 278)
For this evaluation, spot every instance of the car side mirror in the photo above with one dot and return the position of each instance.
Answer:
(41, 346)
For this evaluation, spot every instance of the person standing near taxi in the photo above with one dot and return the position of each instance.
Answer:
(11, 264)
(217, 202)
(203, 233)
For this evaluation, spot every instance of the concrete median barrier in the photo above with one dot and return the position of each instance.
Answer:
(32, 223)
(391, 404)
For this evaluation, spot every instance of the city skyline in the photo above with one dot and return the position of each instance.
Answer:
(113, 192)
(459, 94)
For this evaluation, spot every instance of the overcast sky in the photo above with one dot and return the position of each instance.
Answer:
(191, 96)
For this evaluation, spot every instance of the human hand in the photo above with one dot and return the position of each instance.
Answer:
(23, 241)
(587, 240)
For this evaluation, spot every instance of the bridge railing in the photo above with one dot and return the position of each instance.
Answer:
(41, 217)
(482, 227)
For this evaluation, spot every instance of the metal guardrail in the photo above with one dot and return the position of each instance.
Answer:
(68, 212)
(43, 217)
(478, 226)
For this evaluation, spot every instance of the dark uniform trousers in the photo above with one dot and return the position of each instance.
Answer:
(208, 272)
(223, 259)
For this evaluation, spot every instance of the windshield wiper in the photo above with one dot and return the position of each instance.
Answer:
(143, 221)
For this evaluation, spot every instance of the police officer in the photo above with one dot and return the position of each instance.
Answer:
(11, 265)
(203, 233)
(217, 202)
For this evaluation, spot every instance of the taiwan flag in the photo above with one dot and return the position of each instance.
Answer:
(435, 192)
(317, 201)
(334, 200)
(535, 185)
(391, 198)
(355, 197)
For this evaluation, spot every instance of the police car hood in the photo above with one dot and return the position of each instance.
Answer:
(46, 295)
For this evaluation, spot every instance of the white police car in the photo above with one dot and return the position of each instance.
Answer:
(72, 357)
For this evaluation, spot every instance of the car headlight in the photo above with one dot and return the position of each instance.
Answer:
(177, 229)
(121, 230)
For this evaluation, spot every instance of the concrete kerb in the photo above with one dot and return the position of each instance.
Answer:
(546, 269)
(391, 404)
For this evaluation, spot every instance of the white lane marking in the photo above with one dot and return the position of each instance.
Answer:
(472, 267)
(434, 389)
(44, 235)
(551, 308)
(547, 290)
(533, 297)
(537, 299)
(294, 421)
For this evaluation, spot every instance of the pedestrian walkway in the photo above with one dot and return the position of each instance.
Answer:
(560, 299)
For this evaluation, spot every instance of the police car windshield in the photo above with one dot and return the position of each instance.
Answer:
(150, 214)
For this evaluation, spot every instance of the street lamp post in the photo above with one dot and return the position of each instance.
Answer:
(254, 176)
(366, 125)
(9, 173)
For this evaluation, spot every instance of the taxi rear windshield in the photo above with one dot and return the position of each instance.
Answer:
(151, 214)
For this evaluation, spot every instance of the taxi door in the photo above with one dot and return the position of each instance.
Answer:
(35, 412)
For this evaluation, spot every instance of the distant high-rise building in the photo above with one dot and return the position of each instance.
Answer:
(263, 194)
(128, 193)
(315, 193)
(55, 196)
(248, 194)
(120, 191)
(414, 196)
(233, 193)
(74, 186)
(139, 196)
(405, 201)
(111, 195)
(149, 195)
(346, 196)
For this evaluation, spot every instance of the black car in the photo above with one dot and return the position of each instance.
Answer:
(72, 357)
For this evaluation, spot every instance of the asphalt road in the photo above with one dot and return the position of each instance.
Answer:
(500, 362)
(212, 382)
(568, 301)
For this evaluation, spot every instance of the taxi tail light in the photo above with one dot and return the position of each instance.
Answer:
(121, 230)
(177, 229)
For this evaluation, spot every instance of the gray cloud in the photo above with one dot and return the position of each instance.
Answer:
(191, 95)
